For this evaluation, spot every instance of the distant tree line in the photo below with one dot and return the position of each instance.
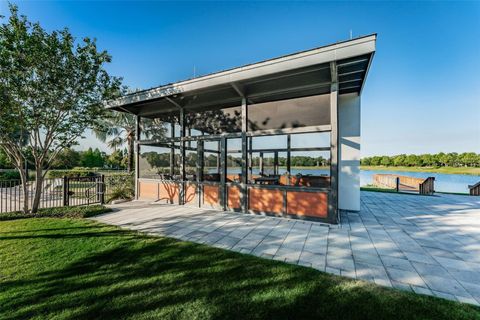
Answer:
(453, 159)
(70, 158)
(159, 160)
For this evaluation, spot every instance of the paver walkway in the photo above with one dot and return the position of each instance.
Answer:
(426, 244)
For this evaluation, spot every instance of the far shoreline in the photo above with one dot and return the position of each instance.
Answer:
(472, 171)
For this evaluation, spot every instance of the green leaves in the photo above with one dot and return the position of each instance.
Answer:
(51, 85)
(51, 89)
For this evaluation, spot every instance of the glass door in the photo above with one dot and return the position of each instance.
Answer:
(233, 180)
(211, 173)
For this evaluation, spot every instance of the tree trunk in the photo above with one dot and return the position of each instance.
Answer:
(24, 180)
(38, 188)
(130, 147)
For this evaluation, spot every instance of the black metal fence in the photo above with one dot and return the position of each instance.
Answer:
(58, 192)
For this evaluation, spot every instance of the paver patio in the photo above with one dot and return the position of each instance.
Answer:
(426, 244)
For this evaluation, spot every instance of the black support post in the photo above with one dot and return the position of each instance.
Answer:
(137, 155)
(181, 199)
(172, 150)
(244, 175)
(223, 173)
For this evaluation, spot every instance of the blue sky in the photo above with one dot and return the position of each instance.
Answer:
(422, 93)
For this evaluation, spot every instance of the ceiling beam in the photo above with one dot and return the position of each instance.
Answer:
(352, 62)
(352, 87)
(240, 89)
(347, 81)
(290, 89)
(351, 72)
(289, 74)
(173, 102)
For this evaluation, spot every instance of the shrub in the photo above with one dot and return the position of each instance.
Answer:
(119, 186)
(60, 212)
(10, 175)
(70, 173)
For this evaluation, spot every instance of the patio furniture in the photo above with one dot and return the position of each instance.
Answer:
(269, 180)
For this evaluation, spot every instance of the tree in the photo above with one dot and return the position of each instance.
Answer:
(427, 160)
(468, 159)
(385, 161)
(399, 160)
(92, 158)
(4, 161)
(51, 90)
(375, 161)
(66, 159)
(119, 129)
(365, 161)
(115, 159)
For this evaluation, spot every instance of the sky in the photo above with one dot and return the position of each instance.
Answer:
(422, 94)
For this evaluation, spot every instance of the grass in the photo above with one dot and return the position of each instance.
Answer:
(79, 269)
(456, 193)
(373, 188)
(445, 170)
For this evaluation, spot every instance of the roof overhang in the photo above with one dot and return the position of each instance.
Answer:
(301, 74)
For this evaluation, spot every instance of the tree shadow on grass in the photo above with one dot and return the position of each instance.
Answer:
(164, 278)
(50, 229)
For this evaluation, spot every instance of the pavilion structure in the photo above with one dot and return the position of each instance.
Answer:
(241, 139)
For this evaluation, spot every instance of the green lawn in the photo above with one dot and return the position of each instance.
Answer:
(373, 188)
(54, 268)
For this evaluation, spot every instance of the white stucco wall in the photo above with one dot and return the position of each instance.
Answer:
(349, 152)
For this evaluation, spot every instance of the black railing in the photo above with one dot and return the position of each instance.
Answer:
(58, 192)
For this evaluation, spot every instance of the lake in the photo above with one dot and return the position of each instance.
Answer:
(443, 182)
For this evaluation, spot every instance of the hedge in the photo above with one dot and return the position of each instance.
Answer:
(60, 212)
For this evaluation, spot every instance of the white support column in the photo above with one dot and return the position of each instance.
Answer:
(333, 197)
(349, 111)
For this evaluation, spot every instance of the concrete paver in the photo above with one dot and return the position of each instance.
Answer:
(425, 244)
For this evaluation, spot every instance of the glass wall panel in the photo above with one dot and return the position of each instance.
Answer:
(191, 160)
(218, 121)
(159, 127)
(270, 157)
(269, 142)
(211, 161)
(156, 162)
(292, 113)
(234, 160)
(151, 129)
(310, 140)
(253, 166)
(310, 169)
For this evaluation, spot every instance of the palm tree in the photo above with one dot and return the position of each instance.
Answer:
(119, 130)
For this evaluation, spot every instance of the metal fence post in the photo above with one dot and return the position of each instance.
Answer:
(65, 192)
(102, 189)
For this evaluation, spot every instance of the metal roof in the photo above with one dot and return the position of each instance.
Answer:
(299, 74)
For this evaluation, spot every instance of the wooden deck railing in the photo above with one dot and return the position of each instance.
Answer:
(405, 183)
(475, 189)
(427, 186)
